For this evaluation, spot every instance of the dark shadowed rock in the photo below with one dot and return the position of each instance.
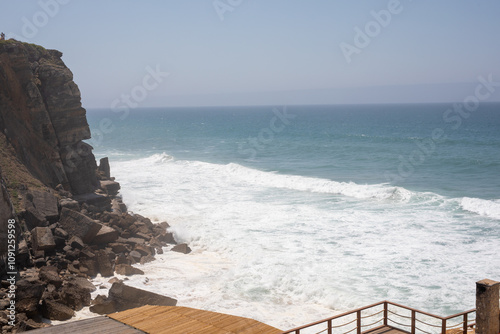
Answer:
(105, 235)
(104, 263)
(69, 203)
(75, 296)
(167, 237)
(110, 187)
(89, 267)
(144, 250)
(182, 248)
(42, 238)
(136, 256)
(119, 247)
(28, 294)
(79, 225)
(104, 167)
(102, 305)
(50, 275)
(45, 203)
(127, 270)
(98, 200)
(56, 311)
(126, 297)
(41, 111)
(134, 241)
(147, 258)
(59, 232)
(76, 242)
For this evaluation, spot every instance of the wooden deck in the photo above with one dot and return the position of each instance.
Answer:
(98, 325)
(385, 330)
(181, 320)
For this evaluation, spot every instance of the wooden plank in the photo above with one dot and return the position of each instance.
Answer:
(96, 325)
(177, 319)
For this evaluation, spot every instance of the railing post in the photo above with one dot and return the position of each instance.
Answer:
(358, 322)
(330, 326)
(443, 326)
(413, 317)
(465, 324)
(487, 307)
(385, 313)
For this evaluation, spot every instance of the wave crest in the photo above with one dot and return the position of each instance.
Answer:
(483, 207)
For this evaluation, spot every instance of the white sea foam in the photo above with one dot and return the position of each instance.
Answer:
(488, 208)
(288, 249)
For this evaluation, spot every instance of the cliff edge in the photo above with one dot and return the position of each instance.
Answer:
(62, 221)
(41, 116)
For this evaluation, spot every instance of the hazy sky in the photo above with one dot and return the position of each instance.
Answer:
(239, 52)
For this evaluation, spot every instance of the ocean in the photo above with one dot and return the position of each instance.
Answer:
(296, 213)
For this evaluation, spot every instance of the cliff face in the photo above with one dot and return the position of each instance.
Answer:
(42, 118)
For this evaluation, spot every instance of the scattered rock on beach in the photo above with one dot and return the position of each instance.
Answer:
(182, 248)
(127, 270)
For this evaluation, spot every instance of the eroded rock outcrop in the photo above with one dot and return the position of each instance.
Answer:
(42, 117)
(70, 221)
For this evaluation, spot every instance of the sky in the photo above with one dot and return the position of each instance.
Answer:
(154, 53)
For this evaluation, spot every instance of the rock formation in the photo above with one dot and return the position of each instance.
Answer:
(70, 221)
(42, 117)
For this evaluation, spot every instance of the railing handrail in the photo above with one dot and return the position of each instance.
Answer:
(385, 303)
(334, 317)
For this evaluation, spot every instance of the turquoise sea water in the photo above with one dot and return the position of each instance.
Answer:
(326, 207)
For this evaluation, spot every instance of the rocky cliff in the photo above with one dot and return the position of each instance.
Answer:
(70, 222)
(42, 117)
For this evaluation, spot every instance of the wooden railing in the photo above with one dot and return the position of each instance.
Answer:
(388, 314)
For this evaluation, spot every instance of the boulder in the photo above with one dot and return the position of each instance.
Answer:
(77, 224)
(88, 266)
(69, 203)
(105, 235)
(42, 239)
(126, 297)
(104, 167)
(28, 294)
(134, 241)
(23, 254)
(110, 187)
(32, 217)
(76, 243)
(147, 258)
(119, 247)
(136, 256)
(127, 270)
(50, 275)
(56, 311)
(104, 264)
(82, 283)
(59, 232)
(101, 201)
(182, 248)
(144, 250)
(45, 203)
(166, 237)
(117, 207)
(102, 305)
(75, 296)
